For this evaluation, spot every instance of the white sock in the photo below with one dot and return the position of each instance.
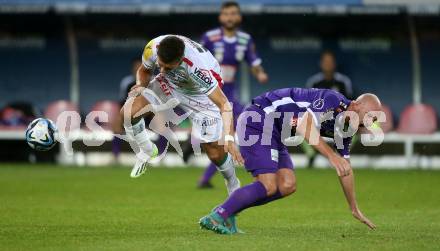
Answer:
(227, 169)
(139, 133)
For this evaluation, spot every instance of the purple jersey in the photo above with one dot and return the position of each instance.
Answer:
(230, 52)
(321, 103)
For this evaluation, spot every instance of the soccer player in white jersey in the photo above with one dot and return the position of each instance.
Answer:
(177, 68)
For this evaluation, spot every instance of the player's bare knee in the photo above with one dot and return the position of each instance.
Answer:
(287, 187)
(269, 181)
(286, 181)
(215, 155)
(215, 152)
(271, 187)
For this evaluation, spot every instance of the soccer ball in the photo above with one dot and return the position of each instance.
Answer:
(41, 134)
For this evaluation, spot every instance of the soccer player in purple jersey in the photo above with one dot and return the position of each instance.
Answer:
(314, 114)
(230, 46)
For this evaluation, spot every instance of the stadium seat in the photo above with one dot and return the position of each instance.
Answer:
(111, 108)
(54, 109)
(418, 119)
(389, 124)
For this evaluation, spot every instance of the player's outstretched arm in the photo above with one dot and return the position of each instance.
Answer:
(307, 128)
(218, 97)
(347, 183)
(342, 166)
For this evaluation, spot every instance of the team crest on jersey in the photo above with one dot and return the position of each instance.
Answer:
(202, 77)
(318, 104)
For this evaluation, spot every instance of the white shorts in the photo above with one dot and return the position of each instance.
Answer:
(206, 120)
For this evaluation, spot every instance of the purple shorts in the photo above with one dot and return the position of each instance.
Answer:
(262, 158)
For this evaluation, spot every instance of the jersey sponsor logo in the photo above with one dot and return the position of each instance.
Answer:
(202, 77)
(318, 104)
(164, 86)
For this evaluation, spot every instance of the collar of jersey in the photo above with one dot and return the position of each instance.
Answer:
(230, 39)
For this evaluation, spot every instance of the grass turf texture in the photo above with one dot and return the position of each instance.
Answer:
(54, 208)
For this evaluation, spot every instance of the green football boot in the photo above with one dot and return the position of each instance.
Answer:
(230, 223)
(215, 223)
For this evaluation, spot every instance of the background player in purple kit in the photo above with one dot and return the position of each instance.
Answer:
(269, 162)
(231, 46)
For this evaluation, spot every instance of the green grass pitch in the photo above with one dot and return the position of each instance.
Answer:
(58, 208)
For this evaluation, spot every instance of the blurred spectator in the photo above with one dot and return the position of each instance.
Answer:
(17, 114)
(128, 81)
(329, 78)
(231, 46)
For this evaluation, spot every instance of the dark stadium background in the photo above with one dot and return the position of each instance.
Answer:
(374, 50)
(387, 63)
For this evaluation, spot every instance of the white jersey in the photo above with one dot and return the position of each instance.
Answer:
(191, 83)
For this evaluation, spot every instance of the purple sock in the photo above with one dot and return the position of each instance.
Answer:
(116, 146)
(209, 172)
(265, 200)
(241, 199)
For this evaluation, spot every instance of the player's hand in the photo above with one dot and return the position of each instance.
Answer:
(358, 215)
(341, 165)
(231, 148)
(135, 91)
(262, 77)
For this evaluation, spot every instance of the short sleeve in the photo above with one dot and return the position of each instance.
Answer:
(251, 56)
(217, 82)
(149, 55)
